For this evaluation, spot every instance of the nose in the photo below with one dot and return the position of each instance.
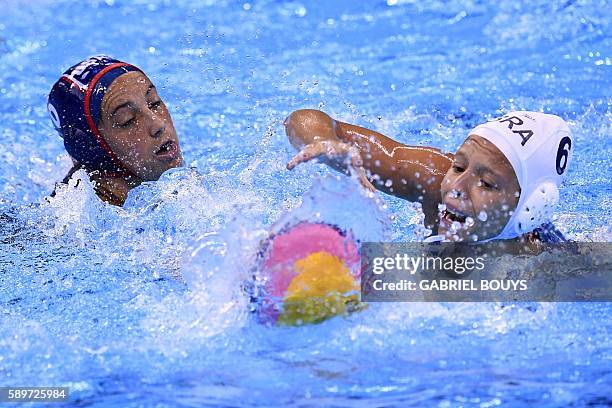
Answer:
(157, 126)
(458, 186)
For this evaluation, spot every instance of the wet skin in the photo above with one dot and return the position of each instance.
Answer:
(480, 188)
(477, 179)
(138, 128)
(136, 125)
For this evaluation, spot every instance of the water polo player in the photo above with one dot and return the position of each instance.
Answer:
(502, 183)
(114, 125)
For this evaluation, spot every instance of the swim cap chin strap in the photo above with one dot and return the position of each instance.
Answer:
(539, 147)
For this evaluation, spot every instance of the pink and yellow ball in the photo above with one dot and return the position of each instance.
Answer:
(311, 273)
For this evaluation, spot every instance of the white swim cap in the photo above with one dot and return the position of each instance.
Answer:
(539, 148)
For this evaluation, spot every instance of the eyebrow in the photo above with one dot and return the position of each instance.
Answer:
(482, 169)
(123, 105)
(128, 103)
(460, 155)
(479, 167)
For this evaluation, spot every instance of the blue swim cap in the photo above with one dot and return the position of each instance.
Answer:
(74, 105)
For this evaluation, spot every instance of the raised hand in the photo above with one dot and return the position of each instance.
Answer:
(340, 155)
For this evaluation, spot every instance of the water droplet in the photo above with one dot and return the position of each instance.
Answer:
(469, 221)
(482, 216)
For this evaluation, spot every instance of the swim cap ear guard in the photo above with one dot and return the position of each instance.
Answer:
(537, 209)
(74, 105)
(539, 147)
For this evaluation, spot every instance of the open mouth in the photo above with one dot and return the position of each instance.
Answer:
(454, 220)
(168, 150)
(454, 215)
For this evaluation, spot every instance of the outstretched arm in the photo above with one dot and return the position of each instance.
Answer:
(409, 172)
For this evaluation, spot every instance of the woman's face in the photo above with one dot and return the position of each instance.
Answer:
(480, 192)
(138, 128)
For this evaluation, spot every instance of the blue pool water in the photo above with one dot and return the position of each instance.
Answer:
(91, 296)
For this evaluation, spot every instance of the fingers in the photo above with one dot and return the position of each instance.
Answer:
(309, 152)
(366, 184)
(328, 148)
(294, 162)
(363, 180)
(355, 156)
(351, 157)
(350, 154)
(356, 164)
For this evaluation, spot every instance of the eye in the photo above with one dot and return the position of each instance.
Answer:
(487, 185)
(155, 105)
(128, 123)
(457, 168)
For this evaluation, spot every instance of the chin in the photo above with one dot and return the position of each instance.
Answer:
(178, 162)
(154, 176)
(462, 236)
